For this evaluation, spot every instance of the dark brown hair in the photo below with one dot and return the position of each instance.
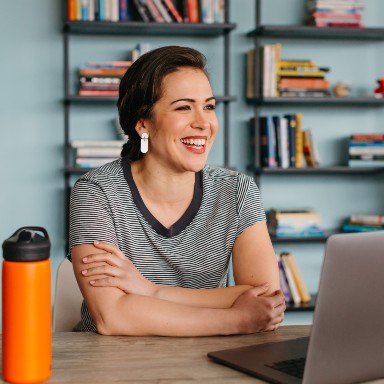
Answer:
(141, 88)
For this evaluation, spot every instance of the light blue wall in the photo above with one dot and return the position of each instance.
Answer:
(31, 116)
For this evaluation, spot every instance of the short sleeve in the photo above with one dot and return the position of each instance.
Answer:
(90, 215)
(250, 205)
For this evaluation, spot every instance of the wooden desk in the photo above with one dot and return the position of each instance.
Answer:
(91, 358)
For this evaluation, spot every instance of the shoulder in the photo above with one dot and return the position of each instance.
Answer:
(226, 176)
(104, 174)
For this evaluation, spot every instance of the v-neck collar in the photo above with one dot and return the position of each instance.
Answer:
(184, 220)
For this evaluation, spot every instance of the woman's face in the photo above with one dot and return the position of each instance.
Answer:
(184, 123)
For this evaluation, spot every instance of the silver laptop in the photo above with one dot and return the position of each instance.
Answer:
(346, 344)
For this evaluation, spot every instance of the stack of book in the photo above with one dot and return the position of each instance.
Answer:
(366, 150)
(335, 13)
(364, 223)
(94, 153)
(280, 141)
(160, 11)
(102, 78)
(291, 281)
(286, 77)
(300, 223)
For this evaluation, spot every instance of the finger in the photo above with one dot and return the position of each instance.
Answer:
(106, 257)
(259, 290)
(109, 248)
(105, 282)
(101, 270)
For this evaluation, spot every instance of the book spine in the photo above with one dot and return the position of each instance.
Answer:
(123, 10)
(173, 10)
(367, 219)
(193, 11)
(301, 287)
(291, 122)
(160, 6)
(291, 281)
(71, 15)
(283, 281)
(299, 140)
(155, 13)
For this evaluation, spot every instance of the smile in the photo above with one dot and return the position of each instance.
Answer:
(194, 143)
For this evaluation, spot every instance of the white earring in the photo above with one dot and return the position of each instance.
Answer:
(144, 143)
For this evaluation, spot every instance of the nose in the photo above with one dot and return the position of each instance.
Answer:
(200, 120)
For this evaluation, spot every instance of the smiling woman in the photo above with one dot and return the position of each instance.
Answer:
(151, 234)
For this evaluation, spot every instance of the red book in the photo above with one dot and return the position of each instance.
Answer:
(193, 11)
(71, 9)
(173, 10)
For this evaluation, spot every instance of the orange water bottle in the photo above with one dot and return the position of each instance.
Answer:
(26, 297)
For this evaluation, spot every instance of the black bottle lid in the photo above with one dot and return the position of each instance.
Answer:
(27, 245)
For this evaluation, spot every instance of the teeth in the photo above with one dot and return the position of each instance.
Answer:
(194, 142)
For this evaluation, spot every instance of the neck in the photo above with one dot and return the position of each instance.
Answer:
(161, 184)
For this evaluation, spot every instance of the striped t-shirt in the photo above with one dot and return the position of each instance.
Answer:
(193, 253)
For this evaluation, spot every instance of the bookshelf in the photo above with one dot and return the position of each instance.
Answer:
(140, 29)
(288, 34)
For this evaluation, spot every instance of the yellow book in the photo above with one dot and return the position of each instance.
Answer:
(299, 141)
(301, 287)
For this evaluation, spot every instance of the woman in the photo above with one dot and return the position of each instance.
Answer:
(152, 233)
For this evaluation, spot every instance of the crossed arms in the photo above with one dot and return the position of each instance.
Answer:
(123, 302)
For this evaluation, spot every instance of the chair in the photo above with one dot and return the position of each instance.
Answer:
(68, 299)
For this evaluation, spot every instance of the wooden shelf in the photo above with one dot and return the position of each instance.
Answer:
(302, 239)
(330, 170)
(302, 307)
(354, 101)
(311, 32)
(76, 99)
(149, 28)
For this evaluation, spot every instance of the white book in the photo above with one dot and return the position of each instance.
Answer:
(91, 10)
(284, 142)
(207, 11)
(160, 6)
(98, 152)
(114, 4)
(97, 143)
(266, 74)
(85, 162)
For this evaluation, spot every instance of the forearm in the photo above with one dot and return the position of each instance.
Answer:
(204, 298)
(138, 315)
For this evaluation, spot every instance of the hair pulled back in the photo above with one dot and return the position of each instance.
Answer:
(141, 88)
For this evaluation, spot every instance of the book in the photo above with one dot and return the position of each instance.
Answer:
(173, 10)
(193, 11)
(97, 143)
(250, 89)
(291, 281)
(367, 137)
(360, 228)
(92, 162)
(299, 141)
(98, 92)
(154, 11)
(302, 83)
(308, 149)
(301, 287)
(283, 281)
(163, 10)
(267, 142)
(71, 11)
(291, 123)
(97, 152)
(142, 10)
(366, 163)
(365, 219)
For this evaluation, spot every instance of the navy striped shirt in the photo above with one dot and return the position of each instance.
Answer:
(193, 253)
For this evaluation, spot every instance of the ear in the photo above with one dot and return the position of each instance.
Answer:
(141, 127)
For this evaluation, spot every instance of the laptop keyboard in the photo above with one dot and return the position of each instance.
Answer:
(294, 367)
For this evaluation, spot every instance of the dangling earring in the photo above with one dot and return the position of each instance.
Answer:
(144, 143)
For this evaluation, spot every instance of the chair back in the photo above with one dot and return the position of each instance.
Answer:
(68, 299)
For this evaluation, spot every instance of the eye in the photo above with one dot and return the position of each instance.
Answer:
(210, 107)
(183, 108)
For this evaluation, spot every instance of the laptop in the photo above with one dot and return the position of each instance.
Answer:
(346, 343)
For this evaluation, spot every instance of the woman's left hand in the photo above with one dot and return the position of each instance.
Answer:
(116, 271)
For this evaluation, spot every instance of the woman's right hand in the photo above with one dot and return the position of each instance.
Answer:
(257, 313)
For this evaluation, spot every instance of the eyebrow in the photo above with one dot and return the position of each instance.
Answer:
(193, 100)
